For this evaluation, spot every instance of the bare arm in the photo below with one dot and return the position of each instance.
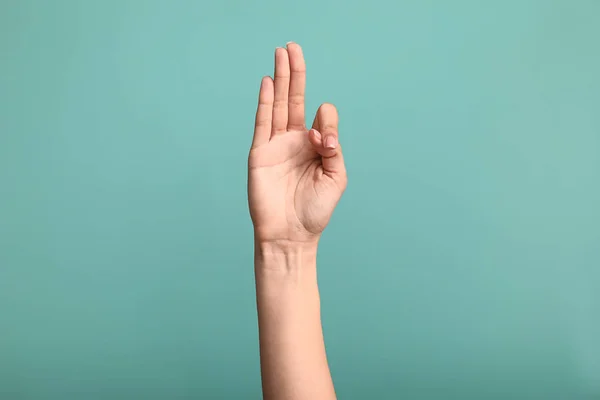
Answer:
(296, 177)
(292, 351)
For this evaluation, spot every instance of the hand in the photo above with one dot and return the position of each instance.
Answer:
(295, 176)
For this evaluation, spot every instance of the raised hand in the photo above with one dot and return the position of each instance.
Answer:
(296, 176)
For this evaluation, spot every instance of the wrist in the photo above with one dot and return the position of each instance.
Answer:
(286, 258)
(285, 246)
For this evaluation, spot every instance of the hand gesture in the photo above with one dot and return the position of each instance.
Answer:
(296, 176)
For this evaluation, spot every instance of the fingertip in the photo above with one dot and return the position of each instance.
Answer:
(328, 108)
(315, 133)
(281, 52)
(266, 90)
(330, 142)
(314, 137)
(281, 56)
(293, 45)
(265, 82)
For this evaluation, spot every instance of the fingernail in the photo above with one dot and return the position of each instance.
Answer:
(288, 43)
(330, 142)
(317, 134)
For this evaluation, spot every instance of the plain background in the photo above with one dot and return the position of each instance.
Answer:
(463, 261)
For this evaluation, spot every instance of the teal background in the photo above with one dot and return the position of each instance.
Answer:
(462, 263)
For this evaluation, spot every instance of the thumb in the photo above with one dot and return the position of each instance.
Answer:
(330, 152)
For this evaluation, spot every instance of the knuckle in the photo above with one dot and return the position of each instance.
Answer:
(263, 121)
(329, 130)
(280, 103)
(296, 99)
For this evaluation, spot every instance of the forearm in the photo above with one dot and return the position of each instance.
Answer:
(292, 351)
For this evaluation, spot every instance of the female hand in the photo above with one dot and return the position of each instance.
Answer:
(295, 176)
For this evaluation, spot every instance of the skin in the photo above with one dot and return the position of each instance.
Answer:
(296, 177)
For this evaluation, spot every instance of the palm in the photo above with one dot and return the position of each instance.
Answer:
(290, 197)
(295, 182)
